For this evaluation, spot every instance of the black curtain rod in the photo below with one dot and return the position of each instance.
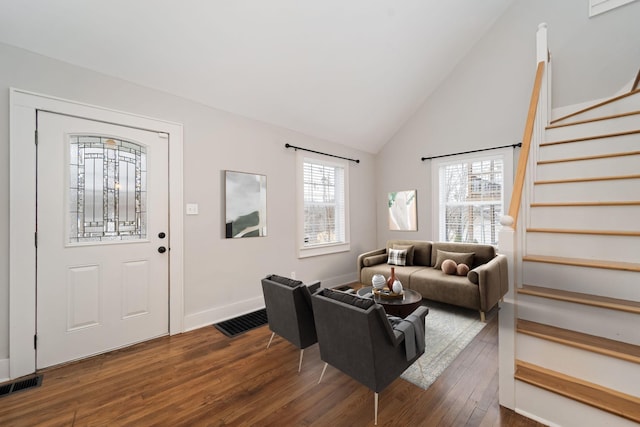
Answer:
(318, 152)
(518, 144)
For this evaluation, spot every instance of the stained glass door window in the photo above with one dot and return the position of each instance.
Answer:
(107, 189)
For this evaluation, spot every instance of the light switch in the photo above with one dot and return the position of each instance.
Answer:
(192, 209)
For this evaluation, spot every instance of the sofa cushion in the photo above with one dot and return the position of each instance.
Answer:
(409, 249)
(435, 285)
(458, 257)
(397, 257)
(462, 269)
(473, 276)
(483, 253)
(421, 250)
(354, 300)
(374, 260)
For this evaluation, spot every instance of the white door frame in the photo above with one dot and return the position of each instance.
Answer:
(22, 214)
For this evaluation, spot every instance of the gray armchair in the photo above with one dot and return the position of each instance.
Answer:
(356, 337)
(289, 311)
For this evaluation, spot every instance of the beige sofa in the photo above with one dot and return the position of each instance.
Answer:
(481, 289)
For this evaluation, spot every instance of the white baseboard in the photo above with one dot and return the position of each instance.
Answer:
(4, 370)
(219, 314)
(332, 282)
(536, 418)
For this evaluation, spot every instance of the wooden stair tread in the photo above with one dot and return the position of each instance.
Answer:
(593, 343)
(582, 262)
(603, 398)
(590, 137)
(596, 119)
(585, 204)
(581, 298)
(590, 232)
(591, 179)
(595, 157)
(599, 104)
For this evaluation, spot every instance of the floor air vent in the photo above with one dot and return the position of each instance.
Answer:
(7, 389)
(244, 323)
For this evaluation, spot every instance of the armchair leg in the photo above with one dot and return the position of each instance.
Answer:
(300, 363)
(322, 374)
(271, 339)
(375, 408)
(483, 317)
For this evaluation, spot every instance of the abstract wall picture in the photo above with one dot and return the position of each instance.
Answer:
(403, 211)
(246, 205)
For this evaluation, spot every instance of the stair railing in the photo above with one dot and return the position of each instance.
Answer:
(512, 234)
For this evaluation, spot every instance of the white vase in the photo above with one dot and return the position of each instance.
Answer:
(378, 281)
(397, 287)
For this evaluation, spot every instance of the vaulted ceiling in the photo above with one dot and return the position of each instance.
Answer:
(347, 71)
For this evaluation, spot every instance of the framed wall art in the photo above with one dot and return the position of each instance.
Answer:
(245, 205)
(403, 211)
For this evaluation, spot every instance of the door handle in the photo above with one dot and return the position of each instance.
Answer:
(162, 249)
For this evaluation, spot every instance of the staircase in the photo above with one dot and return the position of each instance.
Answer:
(577, 295)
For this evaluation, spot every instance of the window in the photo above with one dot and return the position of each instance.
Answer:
(471, 197)
(107, 193)
(323, 211)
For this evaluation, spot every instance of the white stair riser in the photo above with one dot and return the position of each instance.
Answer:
(624, 105)
(609, 166)
(600, 127)
(619, 218)
(592, 147)
(593, 367)
(556, 410)
(611, 248)
(594, 281)
(612, 324)
(588, 191)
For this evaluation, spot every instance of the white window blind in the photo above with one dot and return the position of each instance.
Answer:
(471, 200)
(324, 203)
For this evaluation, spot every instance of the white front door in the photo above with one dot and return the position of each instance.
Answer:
(102, 237)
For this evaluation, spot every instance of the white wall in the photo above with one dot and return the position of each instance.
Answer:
(221, 275)
(483, 103)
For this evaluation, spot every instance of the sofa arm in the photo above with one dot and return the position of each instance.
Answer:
(361, 258)
(493, 281)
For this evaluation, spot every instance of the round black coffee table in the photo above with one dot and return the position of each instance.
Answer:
(401, 307)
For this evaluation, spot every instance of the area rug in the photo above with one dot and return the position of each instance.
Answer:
(448, 330)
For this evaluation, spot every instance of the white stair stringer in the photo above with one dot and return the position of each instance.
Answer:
(596, 368)
(618, 284)
(592, 217)
(553, 150)
(585, 246)
(620, 105)
(586, 129)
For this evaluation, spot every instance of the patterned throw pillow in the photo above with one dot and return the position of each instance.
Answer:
(397, 257)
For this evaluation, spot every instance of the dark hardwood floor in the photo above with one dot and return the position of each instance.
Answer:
(203, 378)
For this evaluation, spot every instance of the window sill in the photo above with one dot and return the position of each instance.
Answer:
(306, 252)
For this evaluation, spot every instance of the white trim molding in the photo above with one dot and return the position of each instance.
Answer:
(22, 215)
(596, 7)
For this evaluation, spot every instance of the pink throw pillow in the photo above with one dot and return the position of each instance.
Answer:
(449, 266)
(462, 269)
